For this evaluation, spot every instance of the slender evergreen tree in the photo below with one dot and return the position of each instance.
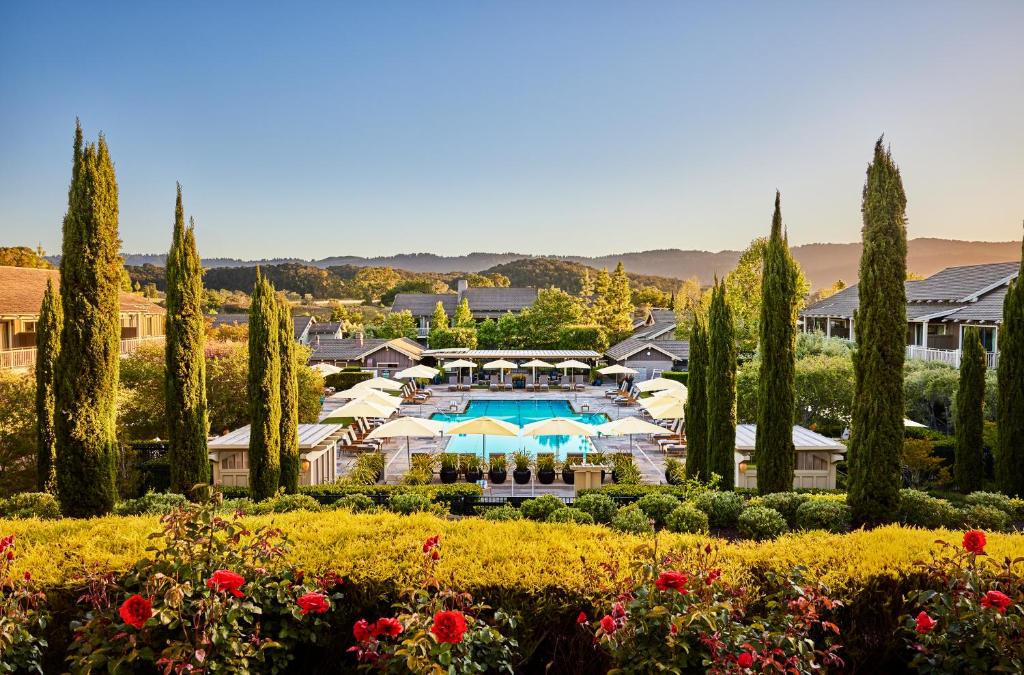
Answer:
(881, 328)
(51, 318)
(1010, 397)
(264, 391)
(776, 387)
(87, 367)
(721, 394)
(463, 316)
(439, 321)
(289, 400)
(185, 382)
(969, 469)
(697, 405)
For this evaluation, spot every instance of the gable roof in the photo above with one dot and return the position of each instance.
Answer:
(678, 350)
(423, 304)
(325, 328)
(302, 324)
(484, 299)
(22, 289)
(962, 284)
(354, 349)
(658, 322)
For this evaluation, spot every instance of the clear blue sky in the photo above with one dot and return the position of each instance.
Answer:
(541, 127)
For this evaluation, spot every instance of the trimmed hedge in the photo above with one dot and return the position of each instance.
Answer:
(677, 375)
(459, 497)
(346, 379)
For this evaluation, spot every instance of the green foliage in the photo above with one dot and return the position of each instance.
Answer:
(601, 507)
(540, 508)
(761, 522)
(1010, 398)
(785, 503)
(264, 391)
(993, 500)
(151, 503)
(881, 325)
(289, 434)
(576, 336)
(30, 505)
(568, 514)
(675, 470)
(505, 512)
(920, 466)
(410, 502)
(439, 321)
(284, 503)
(451, 338)
(657, 506)
(632, 520)
(23, 256)
(355, 503)
(828, 515)
(984, 517)
(721, 389)
(23, 617)
(48, 329)
(186, 418)
(86, 372)
(922, 510)
(625, 470)
(347, 379)
(17, 433)
(687, 519)
(394, 325)
(697, 455)
(463, 317)
(723, 508)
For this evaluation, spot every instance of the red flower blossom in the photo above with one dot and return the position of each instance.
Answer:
(996, 600)
(707, 548)
(388, 626)
(27, 576)
(672, 580)
(6, 544)
(329, 580)
(431, 543)
(745, 660)
(449, 627)
(618, 610)
(974, 541)
(135, 611)
(713, 576)
(226, 580)
(608, 624)
(674, 629)
(925, 624)
(363, 631)
(313, 602)
(582, 618)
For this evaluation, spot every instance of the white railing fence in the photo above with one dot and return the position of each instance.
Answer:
(949, 356)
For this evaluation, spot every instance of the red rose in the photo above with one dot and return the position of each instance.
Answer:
(713, 576)
(745, 660)
(313, 602)
(362, 631)
(672, 580)
(329, 580)
(996, 600)
(925, 624)
(608, 624)
(7, 546)
(974, 541)
(135, 611)
(431, 543)
(226, 580)
(618, 610)
(449, 627)
(388, 626)
(582, 618)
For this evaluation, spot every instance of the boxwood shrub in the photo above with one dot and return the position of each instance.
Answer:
(506, 512)
(785, 503)
(539, 508)
(687, 518)
(657, 506)
(723, 508)
(30, 505)
(409, 502)
(600, 506)
(632, 520)
(355, 503)
(567, 514)
(822, 514)
(761, 522)
(984, 517)
(922, 510)
(155, 503)
(994, 500)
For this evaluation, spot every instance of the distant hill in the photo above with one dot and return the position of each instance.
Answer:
(566, 274)
(822, 263)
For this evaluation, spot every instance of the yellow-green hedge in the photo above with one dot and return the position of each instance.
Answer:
(521, 556)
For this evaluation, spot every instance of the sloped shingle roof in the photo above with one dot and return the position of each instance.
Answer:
(22, 289)
(350, 349)
(423, 304)
(958, 283)
(500, 299)
(678, 349)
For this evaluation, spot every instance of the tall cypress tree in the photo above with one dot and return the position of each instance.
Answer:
(88, 364)
(51, 319)
(881, 327)
(1010, 398)
(969, 469)
(185, 383)
(697, 405)
(721, 377)
(289, 400)
(264, 391)
(774, 453)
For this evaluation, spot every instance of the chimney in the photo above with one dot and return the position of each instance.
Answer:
(359, 338)
(460, 287)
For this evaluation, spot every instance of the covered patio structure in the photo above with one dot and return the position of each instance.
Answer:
(520, 357)
(229, 455)
(816, 458)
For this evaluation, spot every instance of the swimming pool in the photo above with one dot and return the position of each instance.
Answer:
(520, 412)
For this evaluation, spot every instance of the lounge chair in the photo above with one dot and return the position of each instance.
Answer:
(494, 386)
(545, 387)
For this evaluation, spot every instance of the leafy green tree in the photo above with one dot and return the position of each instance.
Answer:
(617, 319)
(396, 325)
(463, 317)
(23, 256)
(773, 449)
(87, 367)
(450, 338)
(540, 324)
(488, 335)
(582, 336)
(374, 282)
(1010, 423)
(48, 329)
(289, 460)
(881, 320)
(721, 395)
(187, 422)
(691, 305)
(17, 433)
(264, 391)
(440, 317)
(650, 296)
(697, 405)
(969, 469)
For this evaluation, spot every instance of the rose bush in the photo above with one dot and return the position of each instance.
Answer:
(23, 617)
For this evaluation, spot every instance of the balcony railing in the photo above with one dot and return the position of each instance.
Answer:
(950, 356)
(25, 358)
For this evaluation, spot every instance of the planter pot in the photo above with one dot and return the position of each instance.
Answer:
(546, 477)
(474, 476)
(449, 475)
(497, 476)
(615, 479)
(521, 476)
(670, 480)
(568, 476)
(380, 475)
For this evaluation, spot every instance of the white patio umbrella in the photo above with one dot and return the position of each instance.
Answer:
(672, 392)
(574, 365)
(560, 426)
(360, 407)
(617, 369)
(417, 371)
(500, 364)
(907, 422)
(484, 426)
(658, 384)
(460, 364)
(325, 368)
(535, 364)
(665, 407)
(627, 426)
(409, 427)
(374, 395)
(379, 383)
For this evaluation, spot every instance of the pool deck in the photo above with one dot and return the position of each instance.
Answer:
(647, 455)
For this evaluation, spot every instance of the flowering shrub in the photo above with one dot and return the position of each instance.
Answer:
(435, 630)
(214, 597)
(973, 621)
(22, 617)
(679, 614)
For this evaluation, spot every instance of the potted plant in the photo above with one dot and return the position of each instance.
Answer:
(568, 475)
(675, 471)
(449, 468)
(546, 469)
(598, 459)
(497, 471)
(473, 468)
(521, 474)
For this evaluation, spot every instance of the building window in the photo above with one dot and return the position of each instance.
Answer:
(30, 326)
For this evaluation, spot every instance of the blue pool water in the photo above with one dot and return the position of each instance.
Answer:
(521, 413)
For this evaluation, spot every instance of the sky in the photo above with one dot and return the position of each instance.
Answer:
(587, 128)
